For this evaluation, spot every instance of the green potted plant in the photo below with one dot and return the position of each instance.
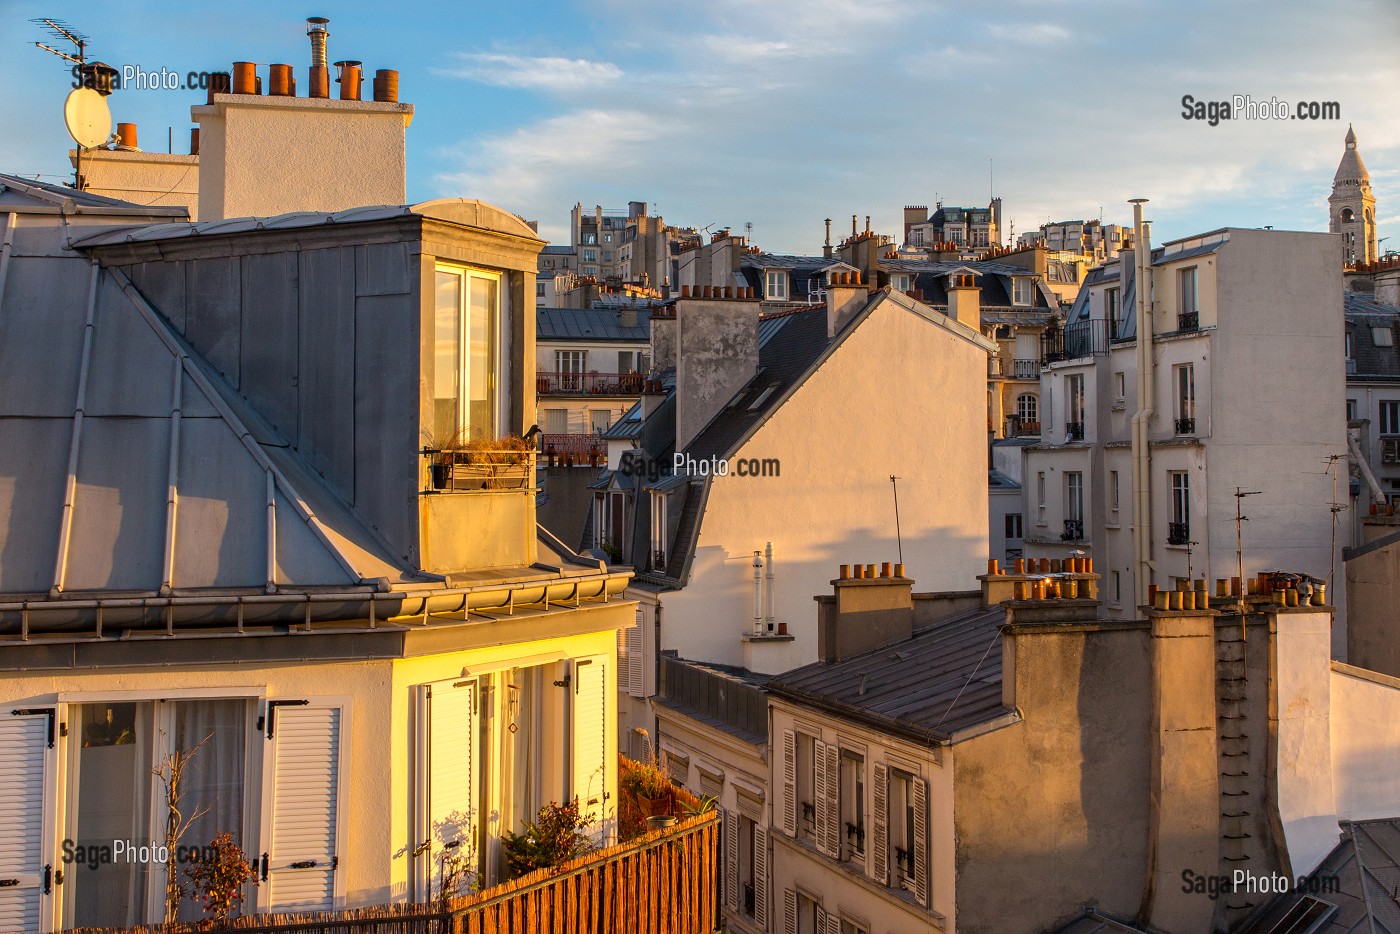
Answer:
(554, 837)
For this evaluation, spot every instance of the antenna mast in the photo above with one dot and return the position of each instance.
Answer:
(899, 539)
(1240, 519)
(63, 32)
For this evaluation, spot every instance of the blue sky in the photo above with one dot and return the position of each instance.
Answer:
(784, 112)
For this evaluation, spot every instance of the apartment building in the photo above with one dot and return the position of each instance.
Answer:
(1092, 239)
(628, 245)
(778, 280)
(1372, 402)
(1245, 327)
(591, 367)
(975, 228)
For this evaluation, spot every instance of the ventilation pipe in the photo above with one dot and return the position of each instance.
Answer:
(768, 589)
(1142, 419)
(758, 591)
(320, 82)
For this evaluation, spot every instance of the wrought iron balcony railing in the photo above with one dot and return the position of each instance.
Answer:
(1188, 321)
(1186, 426)
(1074, 531)
(1025, 369)
(1178, 533)
(1074, 431)
(601, 384)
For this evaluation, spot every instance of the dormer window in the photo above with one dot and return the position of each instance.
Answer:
(1022, 291)
(775, 286)
(901, 282)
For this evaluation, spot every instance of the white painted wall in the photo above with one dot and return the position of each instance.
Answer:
(1365, 733)
(901, 395)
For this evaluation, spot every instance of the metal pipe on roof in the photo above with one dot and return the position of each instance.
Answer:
(172, 482)
(1141, 448)
(65, 528)
(768, 589)
(271, 533)
(6, 246)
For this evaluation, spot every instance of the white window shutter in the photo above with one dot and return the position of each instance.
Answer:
(833, 800)
(789, 911)
(26, 768)
(730, 826)
(449, 766)
(831, 923)
(879, 826)
(789, 766)
(760, 876)
(624, 646)
(301, 795)
(820, 779)
(636, 658)
(921, 841)
(590, 714)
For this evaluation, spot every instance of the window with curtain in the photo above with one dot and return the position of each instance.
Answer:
(466, 352)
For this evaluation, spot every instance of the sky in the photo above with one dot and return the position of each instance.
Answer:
(784, 112)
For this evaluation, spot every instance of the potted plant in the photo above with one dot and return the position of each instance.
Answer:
(476, 462)
(554, 837)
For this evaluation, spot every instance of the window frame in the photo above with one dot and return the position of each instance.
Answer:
(1180, 486)
(775, 285)
(1188, 299)
(1388, 420)
(1074, 496)
(498, 365)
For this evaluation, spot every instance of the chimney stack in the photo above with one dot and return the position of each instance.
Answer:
(964, 300)
(866, 612)
(826, 248)
(319, 82)
(845, 297)
(716, 351)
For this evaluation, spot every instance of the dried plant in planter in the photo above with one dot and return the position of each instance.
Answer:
(218, 875)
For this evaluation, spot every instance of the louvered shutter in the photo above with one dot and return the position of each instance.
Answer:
(730, 826)
(624, 651)
(449, 764)
(921, 841)
(831, 923)
(590, 767)
(789, 766)
(833, 801)
(301, 789)
(760, 876)
(819, 782)
(26, 769)
(789, 911)
(880, 827)
(636, 657)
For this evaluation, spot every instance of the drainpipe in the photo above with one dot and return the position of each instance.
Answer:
(1142, 457)
(768, 590)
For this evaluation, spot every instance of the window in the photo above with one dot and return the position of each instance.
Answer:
(1351, 410)
(1022, 291)
(569, 364)
(1040, 495)
(901, 282)
(1028, 408)
(806, 797)
(556, 421)
(1390, 417)
(748, 902)
(599, 420)
(852, 790)
(1074, 496)
(1112, 311)
(1186, 284)
(849, 926)
(1348, 345)
(916, 236)
(659, 532)
(902, 827)
(590, 256)
(1013, 525)
(1382, 337)
(1113, 490)
(614, 523)
(607, 238)
(633, 361)
(539, 290)
(1120, 386)
(465, 352)
(1184, 378)
(776, 285)
(1179, 530)
(1074, 407)
(1115, 588)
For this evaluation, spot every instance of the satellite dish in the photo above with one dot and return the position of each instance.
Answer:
(88, 118)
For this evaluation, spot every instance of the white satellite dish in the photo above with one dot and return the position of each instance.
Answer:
(88, 118)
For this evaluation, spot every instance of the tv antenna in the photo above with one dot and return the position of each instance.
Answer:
(1336, 508)
(899, 539)
(748, 233)
(1240, 520)
(85, 112)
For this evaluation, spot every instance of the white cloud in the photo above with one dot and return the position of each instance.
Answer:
(542, 73)
(1029, 33)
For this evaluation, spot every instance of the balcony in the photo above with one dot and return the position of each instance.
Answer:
(1074, 431)
(591, 384)
(1016, 427)
(1025, 369)
(573, 450)
(491, 492)
(1188, 321)
(1186, 426)
(1074, 531)
(1178, 533)
(1080, 339)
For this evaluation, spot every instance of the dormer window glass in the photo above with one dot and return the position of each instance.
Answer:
(1022, 292)
(776, 285)
(466, 352)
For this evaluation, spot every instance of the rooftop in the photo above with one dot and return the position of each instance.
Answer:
(591, 324)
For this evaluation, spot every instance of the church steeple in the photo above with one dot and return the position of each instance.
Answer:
(1352, 206)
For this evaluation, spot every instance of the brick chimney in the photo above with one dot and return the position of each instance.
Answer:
(846, 295)
(866, 612)
(716, 355)
(964, 300)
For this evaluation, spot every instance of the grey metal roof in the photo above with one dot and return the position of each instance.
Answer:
(943, 680)
(555, 249)
(1091, 922)
(1000, 481)
(17, 192)
(1365, 318)
(627, 427)
(591, 324)
(786, 261)
(1366, 867)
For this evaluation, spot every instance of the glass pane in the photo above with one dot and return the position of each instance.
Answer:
(447, 355)
(481, 358)
(110, 800)
(212, 733)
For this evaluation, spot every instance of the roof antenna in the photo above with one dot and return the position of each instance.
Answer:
(899, 539)
(991, 180)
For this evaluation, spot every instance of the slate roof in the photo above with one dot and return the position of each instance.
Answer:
(930, 279)
(590, 325)
(1091, 922)
(1365, 317)
(18, 193)
(557, 249)
(1366, 867)
(997, 480)
(945, 679)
